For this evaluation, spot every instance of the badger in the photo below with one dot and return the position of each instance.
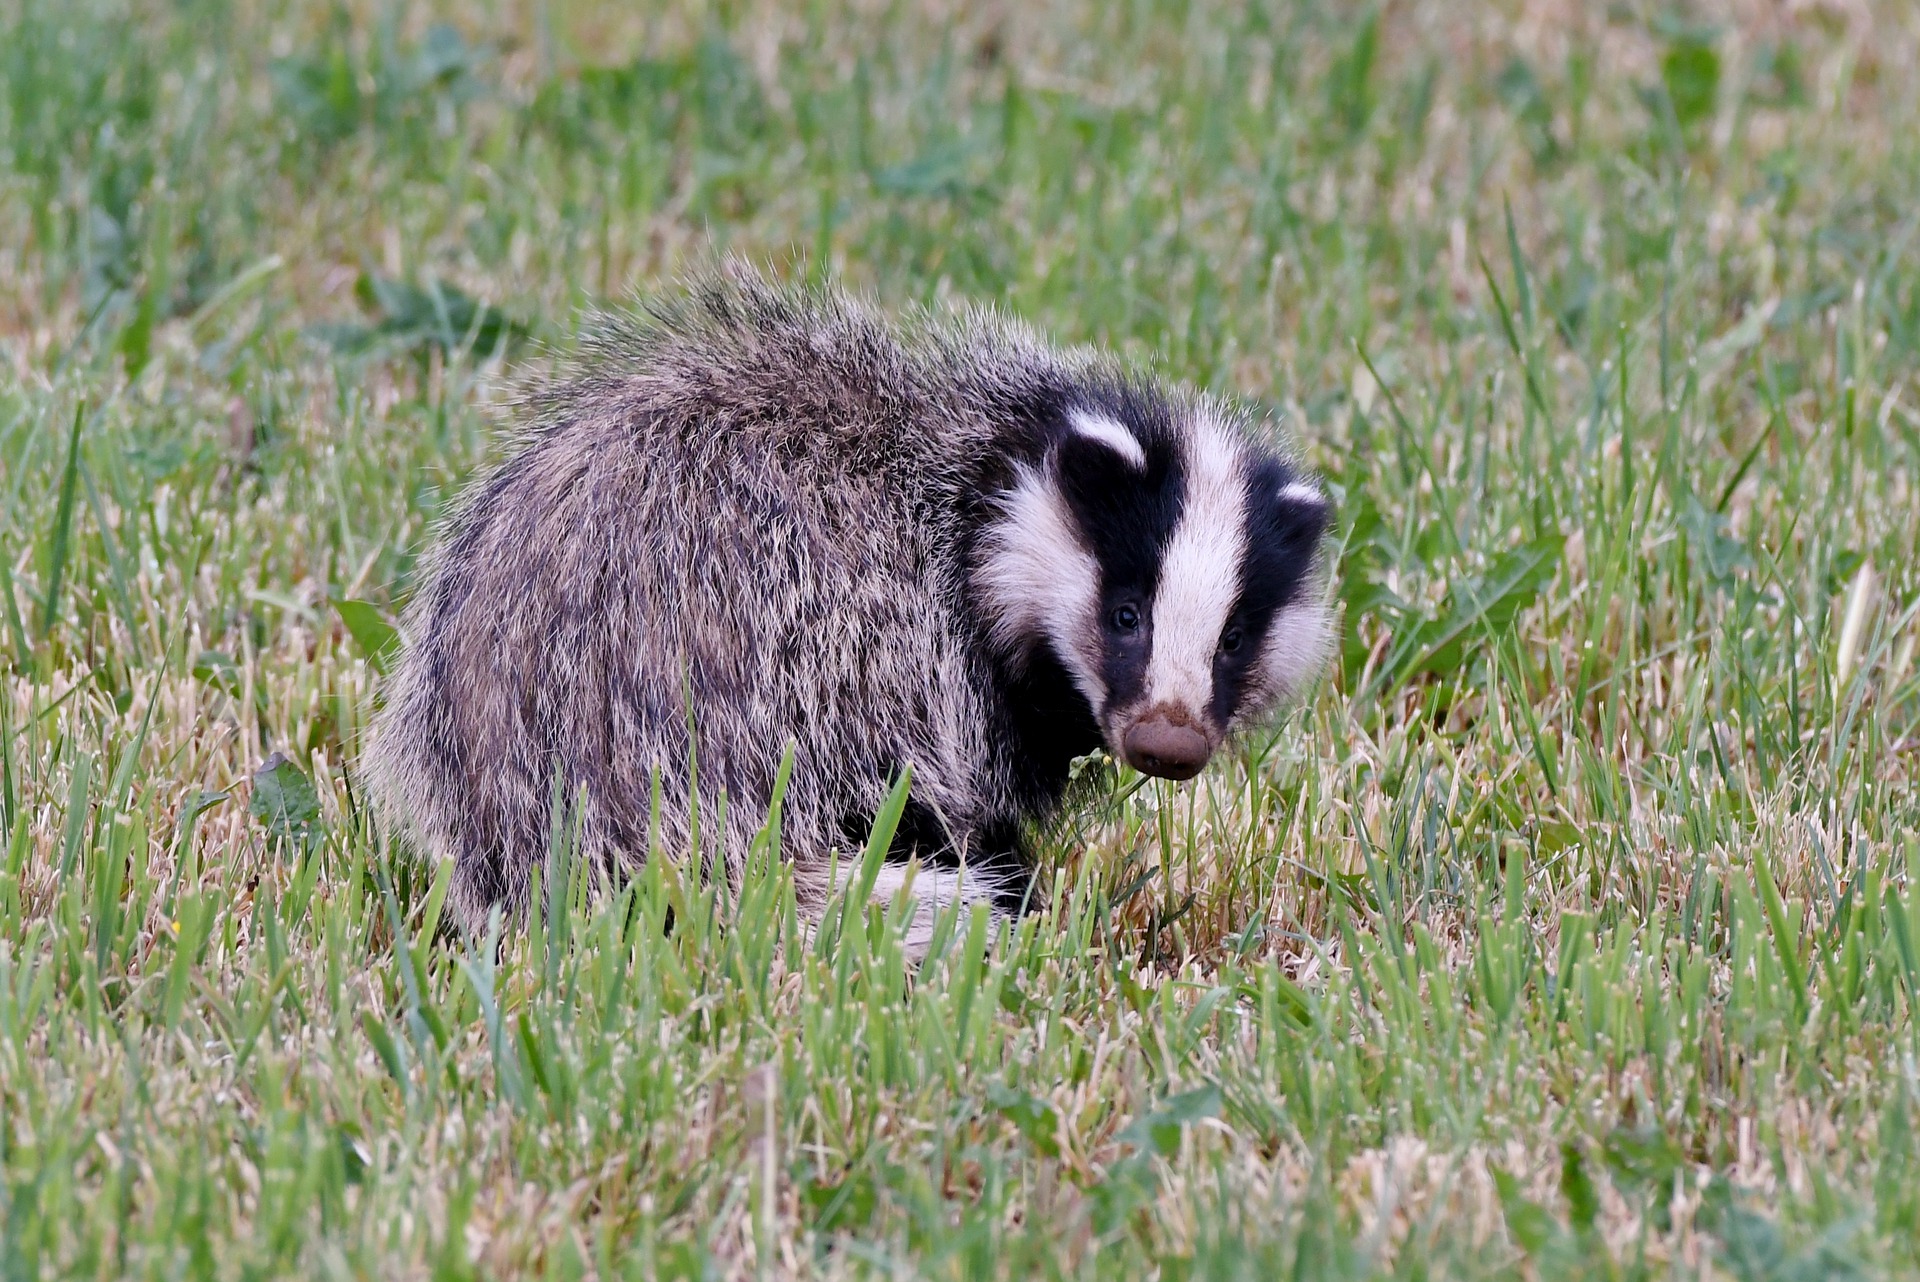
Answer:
(751, 519)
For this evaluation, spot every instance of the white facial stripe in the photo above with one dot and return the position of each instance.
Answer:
(1037, 580)
(1110, 433)
(1200, 573)
(1296, 645)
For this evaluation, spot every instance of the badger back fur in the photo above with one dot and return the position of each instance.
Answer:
(755, 516)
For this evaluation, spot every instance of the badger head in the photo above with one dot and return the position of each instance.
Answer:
(1169, 563)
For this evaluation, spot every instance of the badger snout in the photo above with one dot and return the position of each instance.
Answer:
(1160, 743)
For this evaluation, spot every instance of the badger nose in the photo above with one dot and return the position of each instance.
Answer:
(1156, 746)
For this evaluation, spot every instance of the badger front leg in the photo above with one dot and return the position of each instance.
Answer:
(987, 864)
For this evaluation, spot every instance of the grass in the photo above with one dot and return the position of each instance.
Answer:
(1572, 930)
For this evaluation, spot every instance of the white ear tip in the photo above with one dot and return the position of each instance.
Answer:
(1109, 432)
(1301, 492)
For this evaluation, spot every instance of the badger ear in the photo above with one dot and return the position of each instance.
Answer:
(1297, 515)
(1106, 433)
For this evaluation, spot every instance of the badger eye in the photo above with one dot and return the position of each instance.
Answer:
(1230, 640)
(1124, 618)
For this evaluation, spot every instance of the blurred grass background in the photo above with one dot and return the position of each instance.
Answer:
(1570, 931)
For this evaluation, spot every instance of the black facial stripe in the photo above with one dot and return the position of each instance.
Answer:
(1126, 516)
(1123, 665)
(1230, 681)
(1283, 537)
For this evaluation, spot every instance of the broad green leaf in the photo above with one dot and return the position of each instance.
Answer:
(1032, 1116)
(375, 638)
(285, 801)
(1484, 605)
(1160, 1130)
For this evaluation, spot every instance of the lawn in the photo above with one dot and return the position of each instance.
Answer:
(1572, 928)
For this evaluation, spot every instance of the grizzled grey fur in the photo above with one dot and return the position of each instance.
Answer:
(756, 515)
